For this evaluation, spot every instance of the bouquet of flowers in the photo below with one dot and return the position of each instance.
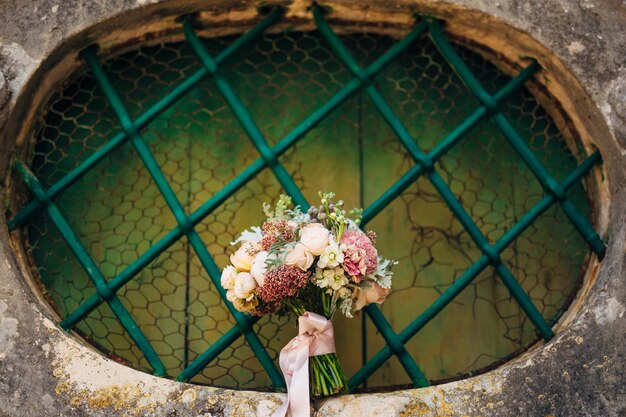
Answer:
(311, 264)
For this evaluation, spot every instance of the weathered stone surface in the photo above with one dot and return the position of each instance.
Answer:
(4, 90)
(4, 97)
(45, 372)
(616, 109)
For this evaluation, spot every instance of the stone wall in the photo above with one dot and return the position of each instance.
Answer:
(581, 43)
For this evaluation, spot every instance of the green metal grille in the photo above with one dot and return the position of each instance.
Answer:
(177, 225)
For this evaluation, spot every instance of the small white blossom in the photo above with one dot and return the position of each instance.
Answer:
(331, 278)
(331, 257)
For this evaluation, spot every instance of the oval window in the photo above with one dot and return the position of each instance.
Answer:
(447, 189)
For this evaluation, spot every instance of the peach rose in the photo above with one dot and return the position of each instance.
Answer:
(376, 294)
(315, 238)
(300, 257)
(246, 306)
(242, 259)
(244, 286)
(372, 294)
(358, 299)
(229, 274)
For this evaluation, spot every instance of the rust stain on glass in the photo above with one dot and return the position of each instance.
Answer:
(149, 162)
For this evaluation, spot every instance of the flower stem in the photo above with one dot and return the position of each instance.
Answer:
(326, 376)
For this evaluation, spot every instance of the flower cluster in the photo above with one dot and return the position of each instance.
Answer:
(318, 260)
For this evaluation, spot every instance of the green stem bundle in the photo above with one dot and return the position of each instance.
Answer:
(326, 377)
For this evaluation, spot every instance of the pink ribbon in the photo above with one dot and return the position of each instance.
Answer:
(315, 337)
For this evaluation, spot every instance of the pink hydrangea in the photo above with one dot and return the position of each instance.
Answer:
(360, 255)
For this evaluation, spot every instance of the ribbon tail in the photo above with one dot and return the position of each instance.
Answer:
(315, 337)
(282, 410)
(294, 362)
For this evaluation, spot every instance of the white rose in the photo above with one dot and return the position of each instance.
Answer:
(315, 237)
(242, 259)
(300, 257)
(244, 286)
(230, 295)
(259, 269)
(228, 277)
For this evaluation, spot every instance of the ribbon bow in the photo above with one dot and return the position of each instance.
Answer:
(315, 337)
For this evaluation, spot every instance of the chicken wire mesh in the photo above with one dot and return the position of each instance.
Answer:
(118, 212)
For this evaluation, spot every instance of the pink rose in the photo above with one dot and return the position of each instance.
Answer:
(315, 238)
(299, 256)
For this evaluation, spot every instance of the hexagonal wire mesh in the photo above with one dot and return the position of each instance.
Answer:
(118, 212)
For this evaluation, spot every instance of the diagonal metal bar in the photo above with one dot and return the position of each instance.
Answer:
(439, 151)
(397, 346)
(581, 223)
(91, 269)
(379, 320)
(164, 243)
(427, 165)
(243, 117)
(494, 257)
(468, 276)
(213, 352)
(142, 121)
(233, 186)
(442, 148)
(177, 209)
(282, 146)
